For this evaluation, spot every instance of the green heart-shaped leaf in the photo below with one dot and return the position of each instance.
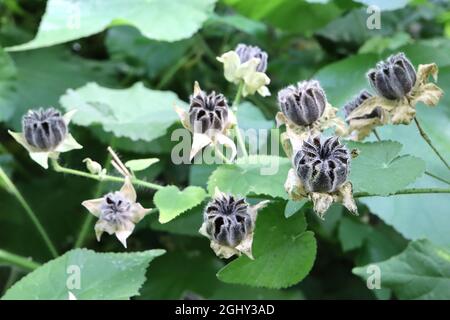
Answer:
(171, 202)
(380, 170)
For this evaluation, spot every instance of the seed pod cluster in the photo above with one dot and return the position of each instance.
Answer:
(44, 128)
(115, 208)
(208, 111)
(322, 166)
(246, 53)
(393, 78)
(227, 219)
(303, 103)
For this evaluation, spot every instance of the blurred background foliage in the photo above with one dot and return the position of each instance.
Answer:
(326, 40)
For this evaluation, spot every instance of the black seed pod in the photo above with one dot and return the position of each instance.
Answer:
(303, 103)
(115, 208)
(228, 221)
(322, 167)
(208, 111)
(44, 129)
(246, 53)
(394, 77)
(356, 102)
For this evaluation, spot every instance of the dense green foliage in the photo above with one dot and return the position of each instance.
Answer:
(123, 65)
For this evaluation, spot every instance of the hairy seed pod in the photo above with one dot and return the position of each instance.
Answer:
(303, 103)
(44, 128)
(208, 111)
(322, 167)
(246, 53)
(115, 208)
(394, 77)
(357, 101)
(228, 221)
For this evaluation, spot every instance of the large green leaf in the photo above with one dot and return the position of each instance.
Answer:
(191, 272)
(352, 233)
(344, 79)
(415, 216)
(263, 175)
(139, 56)
(385, 4)
(171, 202)
(186, 224)
(380, 170)
(284, 252)
(66, 20)
(43, 78)
(304, 16)
(250, 117)
(422, 271)
(103, 276)
(137, 113)
(182, 272)
(8, 75)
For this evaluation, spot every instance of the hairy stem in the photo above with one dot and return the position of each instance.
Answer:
(405, 191)
(90, 218)
(13, 190)
(221, 155)
(437, 178)
(58, 168)
(430, 143)
(376, 134)
(237, 131)
(19, 261)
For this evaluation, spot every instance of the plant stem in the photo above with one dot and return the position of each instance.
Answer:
(208, 51)
(221, 155)
(404, 191)
(172, 71)
(234, 107)
(58, 168)
(430, 143)
(376, 134)
(437, 178)
(12, 189)
(237, 98)
(88, 220)
(12, 278)
(22, 262)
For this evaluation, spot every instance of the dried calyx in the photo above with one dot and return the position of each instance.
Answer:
(393, 78)
(208, 111)
(399, 88)
(303, 103)
(322, 166)
(228, 220)
(356, 102)
(247, 52)
(44, 129)
(209, 119)
(117, 212)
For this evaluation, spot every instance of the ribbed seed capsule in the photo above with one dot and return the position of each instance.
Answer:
(394, 77)
(44, 128)
(322, 167)
(303, 103)
(356, 102)
(228, 221)
(115, 208)
(246, 53)
(208, 111)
